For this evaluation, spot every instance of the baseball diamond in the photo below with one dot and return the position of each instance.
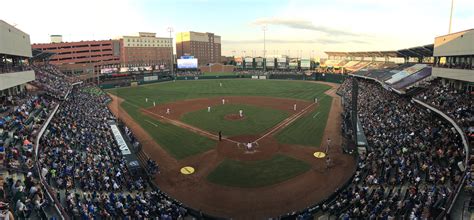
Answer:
(269, 131)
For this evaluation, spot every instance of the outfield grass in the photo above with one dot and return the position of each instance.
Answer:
(257, 119)
(181, 143)
(309, 129)
(178, 142)
(251, 174)
(190, 89)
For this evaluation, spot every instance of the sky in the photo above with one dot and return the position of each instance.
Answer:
(303, 28)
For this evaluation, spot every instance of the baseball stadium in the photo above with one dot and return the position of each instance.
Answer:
(198, 126)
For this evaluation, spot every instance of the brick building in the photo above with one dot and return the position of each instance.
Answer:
(206, 47)
(84, 56)
(145, 48)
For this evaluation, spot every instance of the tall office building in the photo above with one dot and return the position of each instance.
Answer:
(206, 47)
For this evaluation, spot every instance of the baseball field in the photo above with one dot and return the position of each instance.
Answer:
(249, 143)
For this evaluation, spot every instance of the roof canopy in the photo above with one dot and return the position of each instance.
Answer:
(421, 51)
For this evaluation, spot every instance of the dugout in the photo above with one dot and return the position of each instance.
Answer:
(130, 157)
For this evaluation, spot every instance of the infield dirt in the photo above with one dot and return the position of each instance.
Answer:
(247, 203)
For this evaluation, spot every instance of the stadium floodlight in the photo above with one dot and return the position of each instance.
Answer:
(170, 29)
(451, 16)
(264, 29)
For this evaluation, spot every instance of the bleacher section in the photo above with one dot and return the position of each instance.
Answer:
(413, 78)
(398, 77)
(405, 73)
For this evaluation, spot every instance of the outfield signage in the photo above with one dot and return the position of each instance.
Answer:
(120, 141)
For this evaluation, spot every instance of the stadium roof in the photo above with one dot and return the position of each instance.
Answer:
(41, 55)
(421, 51)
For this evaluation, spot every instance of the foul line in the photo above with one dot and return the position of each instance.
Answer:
(182, 125)
(317, 113)
(152, 123)
(285, 122)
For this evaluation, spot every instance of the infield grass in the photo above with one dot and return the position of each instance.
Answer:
(178, 142)
(309, 129)
(257, 119)
(251, 174)
(181, 143)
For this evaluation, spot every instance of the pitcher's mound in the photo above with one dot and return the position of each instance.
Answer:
(234, 117)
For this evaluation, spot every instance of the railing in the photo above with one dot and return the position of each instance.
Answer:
(452, 199)
(45, 185)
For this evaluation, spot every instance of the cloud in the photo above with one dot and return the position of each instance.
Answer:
(302, 24)
(282, 41)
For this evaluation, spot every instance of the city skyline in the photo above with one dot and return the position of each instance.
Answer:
(294, 27)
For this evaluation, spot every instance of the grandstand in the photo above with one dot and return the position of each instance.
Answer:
(66, 156)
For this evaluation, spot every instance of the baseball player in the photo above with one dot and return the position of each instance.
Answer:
(146, 99)
(328, 162)
(168, 111)
(154, 104)
(294, 107)
(208, 108)
(220, 84)
(315, 100)
(327, 146)
(241, 113)
(220, 135)
(223, 101)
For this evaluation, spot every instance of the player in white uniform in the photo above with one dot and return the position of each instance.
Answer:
(168, 111)
(241, 113)
(223, 101)
(294, 107)
(208, 108)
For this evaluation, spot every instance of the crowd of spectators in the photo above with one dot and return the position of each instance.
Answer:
(80, 158)
(411, 167)
(457, 104)
(21, 118)
(51, 80)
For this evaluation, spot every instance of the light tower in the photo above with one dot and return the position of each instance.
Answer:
(170, 30)
(264, 29)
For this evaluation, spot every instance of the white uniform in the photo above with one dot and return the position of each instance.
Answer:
(208, 108)
(223, 101)
(220, 84)
(315, 100)
(294, 107)
(146, 99)
(154, 104)
(249, 146)
(241, 113)
(167, 111)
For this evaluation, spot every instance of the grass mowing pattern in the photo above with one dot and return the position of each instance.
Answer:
(191, 89)
(190, 143)
(251, 174)
(178, 142)
(257, 119)
(309, 129)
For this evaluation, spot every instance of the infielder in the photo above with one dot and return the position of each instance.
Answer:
(146, 99)
(168, 111)
(208, 108)
(223, 101)
(241, 113)
(154, 104)
(294, 107)
(220, 84)
(315, 100)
